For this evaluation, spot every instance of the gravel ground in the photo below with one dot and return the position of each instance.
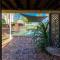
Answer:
(22, 48)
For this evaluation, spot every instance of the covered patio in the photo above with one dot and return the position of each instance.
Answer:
(22, 47)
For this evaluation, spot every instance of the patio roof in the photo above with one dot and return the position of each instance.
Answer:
(33, 18)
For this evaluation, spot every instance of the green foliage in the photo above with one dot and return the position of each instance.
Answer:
(41, 36)
(0, 23)
(3, 22)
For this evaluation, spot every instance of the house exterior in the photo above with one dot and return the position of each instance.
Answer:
(16, 26)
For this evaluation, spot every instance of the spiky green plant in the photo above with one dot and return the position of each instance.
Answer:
(41, 36)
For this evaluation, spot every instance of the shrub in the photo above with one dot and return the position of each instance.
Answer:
(40, 37)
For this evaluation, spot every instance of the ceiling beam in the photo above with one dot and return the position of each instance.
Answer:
(9, 4)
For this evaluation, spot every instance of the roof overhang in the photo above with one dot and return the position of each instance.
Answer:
(34, 18)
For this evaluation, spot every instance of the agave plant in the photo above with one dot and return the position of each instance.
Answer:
(40, 37)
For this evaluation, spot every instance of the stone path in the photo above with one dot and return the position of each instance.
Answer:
(22, 48)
